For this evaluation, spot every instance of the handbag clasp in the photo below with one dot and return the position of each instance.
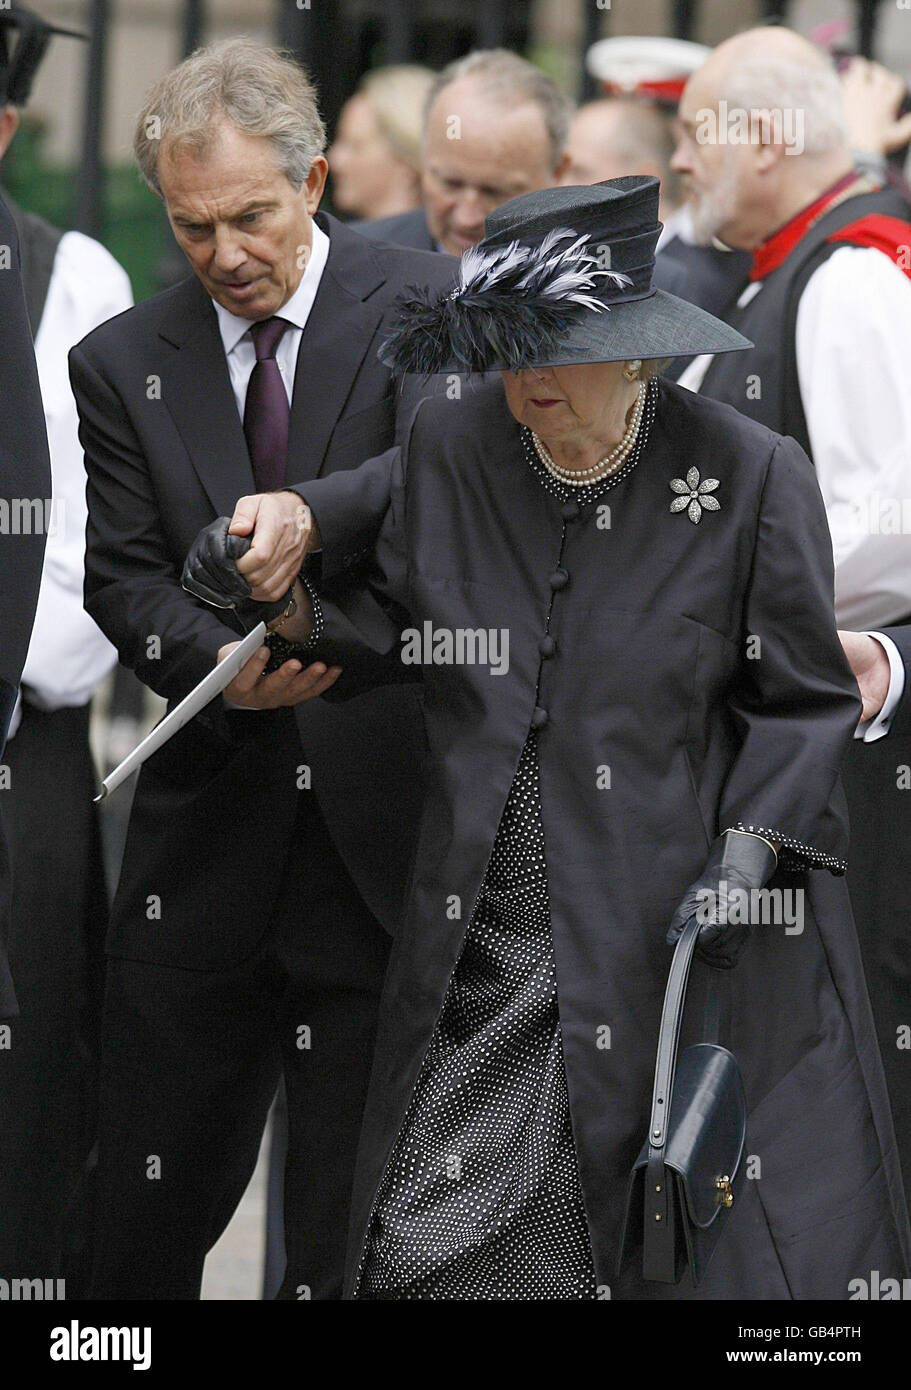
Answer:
(724, 1197)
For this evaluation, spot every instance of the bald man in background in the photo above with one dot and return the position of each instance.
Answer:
(616, 136)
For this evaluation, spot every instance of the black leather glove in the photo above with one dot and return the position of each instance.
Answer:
(737, 863)
(210, 573)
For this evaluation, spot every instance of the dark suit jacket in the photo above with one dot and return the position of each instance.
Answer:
(405, 229)
(166, 454)
(25, 475)
(714, 278)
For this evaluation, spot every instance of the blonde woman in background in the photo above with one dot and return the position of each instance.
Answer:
(375, 159)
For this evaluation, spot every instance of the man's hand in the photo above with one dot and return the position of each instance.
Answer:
(870, 665)
(872, 97)
(283, 532)
(289, 685)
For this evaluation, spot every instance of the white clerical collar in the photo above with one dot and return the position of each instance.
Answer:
(296, 310)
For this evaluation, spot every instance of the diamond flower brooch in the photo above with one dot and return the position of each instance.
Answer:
(693, 495)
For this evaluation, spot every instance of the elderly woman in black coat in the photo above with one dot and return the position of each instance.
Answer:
(619, 597)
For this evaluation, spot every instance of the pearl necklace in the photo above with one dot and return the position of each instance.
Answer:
(611, 463)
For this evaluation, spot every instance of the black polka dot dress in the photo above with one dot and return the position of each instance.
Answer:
(481, 1196)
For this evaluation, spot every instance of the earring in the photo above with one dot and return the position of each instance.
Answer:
(632, 369)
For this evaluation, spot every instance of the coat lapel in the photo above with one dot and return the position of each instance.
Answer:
(339, 330)
(196, 388)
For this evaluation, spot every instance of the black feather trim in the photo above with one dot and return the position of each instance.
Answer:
(475, 329)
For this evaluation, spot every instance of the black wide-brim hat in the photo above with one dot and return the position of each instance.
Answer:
(562, 276)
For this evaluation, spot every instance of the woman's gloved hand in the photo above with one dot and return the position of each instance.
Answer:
(738, 862)
(210, 573)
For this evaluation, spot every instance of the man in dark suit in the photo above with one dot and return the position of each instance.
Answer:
(495, 127)
(403, 229)
(881, 758)
(268, 844)
(58, 912)
(881, 670)
(25, 490)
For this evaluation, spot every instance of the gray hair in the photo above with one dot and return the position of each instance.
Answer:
(259, 90)
(509, 79)
(780, 83)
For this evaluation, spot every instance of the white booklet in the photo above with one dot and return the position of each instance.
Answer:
(210, 686)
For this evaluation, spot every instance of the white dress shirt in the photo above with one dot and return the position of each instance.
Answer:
(237, 338)
(68, 655)
(872, 729)
(853, 361)
(678, 224)
(853, 341)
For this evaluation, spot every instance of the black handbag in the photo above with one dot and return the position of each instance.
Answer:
(683, 1182)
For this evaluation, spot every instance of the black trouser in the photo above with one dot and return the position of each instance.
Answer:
(190, 1064)
(58, 918)
(879, 857)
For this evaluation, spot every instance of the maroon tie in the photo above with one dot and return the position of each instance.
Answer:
(266, 412)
